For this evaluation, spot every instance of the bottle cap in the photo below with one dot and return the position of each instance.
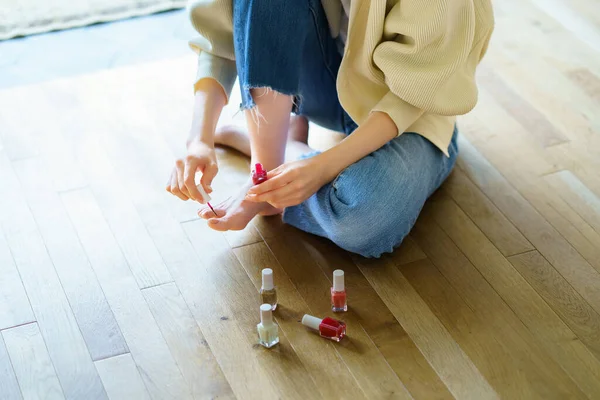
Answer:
(259, 169)
(205, 196)
(338, 280)
(266, 314)
(267, 279)
(311, 322)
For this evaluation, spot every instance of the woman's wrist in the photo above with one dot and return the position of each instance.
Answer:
(373, 134)
(331, 164)
(208, 104)
(203, 134)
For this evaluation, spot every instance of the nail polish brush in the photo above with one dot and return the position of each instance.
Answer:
(205, 198)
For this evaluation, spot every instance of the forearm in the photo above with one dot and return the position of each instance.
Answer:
(370, 136)
(208, 104)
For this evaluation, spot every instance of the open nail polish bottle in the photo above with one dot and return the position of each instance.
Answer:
(338, 292)
(268, 292)
(328, 328)
(259, 175)
(268, 331)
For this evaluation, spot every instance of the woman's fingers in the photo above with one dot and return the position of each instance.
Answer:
(277, 181)
(276, 196)
(173, 186)
(209, 173)
(189, 179)
(180, 167)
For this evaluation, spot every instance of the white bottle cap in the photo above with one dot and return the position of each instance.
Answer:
(205, 196)
(338, 280)
(267, 279)
(266, 314)
(311, 322)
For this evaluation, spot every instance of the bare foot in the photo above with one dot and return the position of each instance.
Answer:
(234, 216)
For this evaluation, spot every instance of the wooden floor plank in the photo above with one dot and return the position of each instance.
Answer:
(572, 20)
(246, 236)
(377, 320)
(329, 371)
(446, 357)
(578, 196)
(408, 252)
(14, 304)
(32, 365)
(587, 81)
(546, 327)
(528, 116)
(486, 215)
(583, 320)
(65, 343)
(282, 365)
(144, 260)
(578, 272)
(148, 348)
(92, 312)
(17, 126)
(188, 346)
(9, 387)
(474, 335)
(360, 354)
(121, 378)
(569, 224)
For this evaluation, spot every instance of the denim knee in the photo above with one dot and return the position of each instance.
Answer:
(353, 230)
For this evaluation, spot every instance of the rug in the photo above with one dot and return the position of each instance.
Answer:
(27, 17)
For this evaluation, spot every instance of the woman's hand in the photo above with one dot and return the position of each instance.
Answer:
(292, 183)
(200, 157)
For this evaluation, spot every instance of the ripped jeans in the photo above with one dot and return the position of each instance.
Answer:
(372, 204)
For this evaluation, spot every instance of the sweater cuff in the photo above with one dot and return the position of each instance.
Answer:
(220, 69)
(402, 113)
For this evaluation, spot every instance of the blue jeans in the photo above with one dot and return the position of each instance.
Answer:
(373, 204)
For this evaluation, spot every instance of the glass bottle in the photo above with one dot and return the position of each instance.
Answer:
(268, 331)
(338, 292)
(268, 291)
(328, 328)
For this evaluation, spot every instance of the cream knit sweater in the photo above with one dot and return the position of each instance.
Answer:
(414, 60)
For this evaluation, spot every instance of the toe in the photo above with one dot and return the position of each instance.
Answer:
(221, 224)
(207, 213)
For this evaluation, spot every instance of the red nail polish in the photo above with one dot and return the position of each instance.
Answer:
(328, 328)
(338, 292)
(259, 175)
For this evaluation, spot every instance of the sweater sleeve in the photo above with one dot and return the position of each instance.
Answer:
(212, 19)
(428, 57)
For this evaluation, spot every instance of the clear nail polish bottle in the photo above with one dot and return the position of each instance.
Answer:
(268, 292)
(338, 292)
(268, 331)
(328, 328)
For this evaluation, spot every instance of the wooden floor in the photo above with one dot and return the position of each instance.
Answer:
(111, 288)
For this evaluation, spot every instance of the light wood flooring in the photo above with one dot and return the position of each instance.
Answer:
(111, 288)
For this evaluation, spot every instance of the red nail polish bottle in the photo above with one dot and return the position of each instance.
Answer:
(328, 328)
(259, 175)
(338, 292)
